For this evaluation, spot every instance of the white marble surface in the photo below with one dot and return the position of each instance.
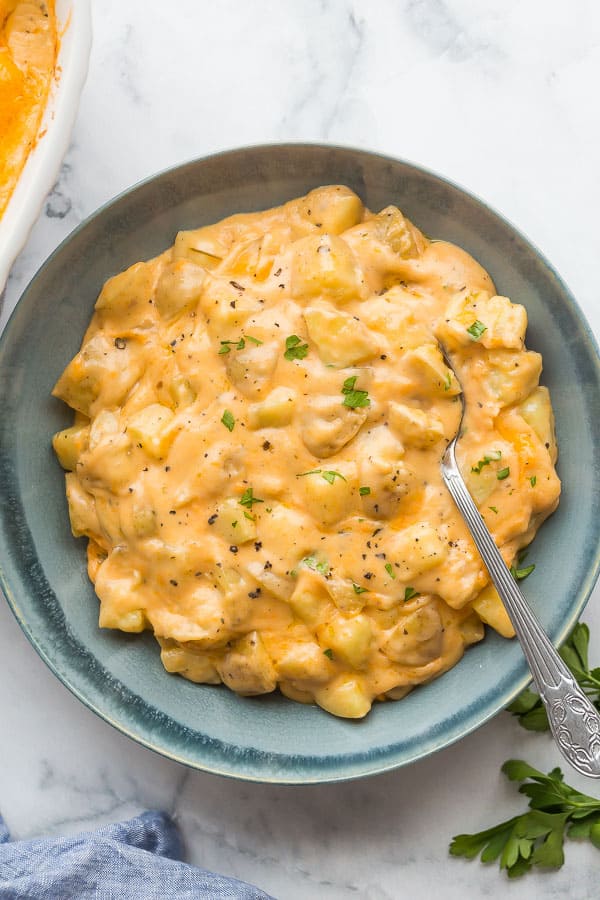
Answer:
(499, 95)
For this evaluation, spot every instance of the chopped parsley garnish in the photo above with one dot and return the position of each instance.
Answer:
(448, 381)
(519, 573)
(358, 589)
(389, 569)
(494, 509)
(294, 348)
(328, 474)
(501, 474)
(364, 491)
(476, 329)
(248, 498)
(228, 346)
(409, 593)
(486, 460)
(328, 653)
(533, 480)
(353, 398)
(228, 420)
(311, 562)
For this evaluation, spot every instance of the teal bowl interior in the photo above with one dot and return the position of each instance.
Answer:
(42, 568)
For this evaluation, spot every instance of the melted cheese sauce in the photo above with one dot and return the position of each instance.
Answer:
(261, 414)
(28, 45)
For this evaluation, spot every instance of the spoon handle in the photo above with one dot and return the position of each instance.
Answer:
(574, 721)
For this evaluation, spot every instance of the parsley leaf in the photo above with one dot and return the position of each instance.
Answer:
(328, 653)
(294, 349)
(409, 593)
(501, 474)
(227, 346)
(328, 474)
(486, 460)
(389, 569)
(353, 398)
(228, 420)
(533, 480)
(536, 837)
(476, 329)
(364, 491)
(248, 498)
(528, 706)
(358, 589)
(320, 566)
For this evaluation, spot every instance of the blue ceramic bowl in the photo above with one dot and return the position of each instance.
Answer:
(42, 568)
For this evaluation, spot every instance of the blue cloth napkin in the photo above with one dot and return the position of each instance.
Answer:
(136, 859)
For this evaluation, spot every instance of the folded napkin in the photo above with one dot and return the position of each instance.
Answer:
(136, 859)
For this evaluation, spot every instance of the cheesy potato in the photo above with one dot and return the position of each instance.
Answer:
(255, 459)
(28, 46)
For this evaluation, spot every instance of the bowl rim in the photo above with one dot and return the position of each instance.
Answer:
(390, 762)
(43, 163)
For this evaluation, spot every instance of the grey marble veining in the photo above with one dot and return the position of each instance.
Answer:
(501, 97)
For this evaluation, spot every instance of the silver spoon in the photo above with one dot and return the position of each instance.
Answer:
(574, 721)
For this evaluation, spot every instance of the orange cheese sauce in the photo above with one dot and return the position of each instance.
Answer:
(260, 417)
(28, 46)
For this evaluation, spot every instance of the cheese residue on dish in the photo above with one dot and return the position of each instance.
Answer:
(260, 417)
(28, 46)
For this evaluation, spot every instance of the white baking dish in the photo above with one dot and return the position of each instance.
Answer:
(43, 163)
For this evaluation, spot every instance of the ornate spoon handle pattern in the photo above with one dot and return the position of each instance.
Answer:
(574, 721)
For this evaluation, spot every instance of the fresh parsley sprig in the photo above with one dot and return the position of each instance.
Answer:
(528, 706)
(294, 348)
(536, 837)
(354, 398)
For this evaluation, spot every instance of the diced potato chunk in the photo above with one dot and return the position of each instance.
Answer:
(349, 639)
(324, 266)
(536, 409)
(122, 293)
(433, 374)
(104, 370)
(251, 259)
(341, 339)
(303, 662)
(326, 425)
(472, 629)
(490, 609)
(275, 411)
(481, 484)
(181, 391)
(510, 376)
(310, 601)
(151, 427)
(401, 235)
(82, 509)
(333, 209)
(117, 586)
(179, 287)
(202, 246)
(416, 549)
(247, 668)
(190, 665)
(346, 696)
(494, 322)
(328, 494)
(232, 524)
(417, 639)
(414, 426)
(250, 369)
(70, 444)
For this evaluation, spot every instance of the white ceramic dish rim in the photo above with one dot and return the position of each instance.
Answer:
(43, 164)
